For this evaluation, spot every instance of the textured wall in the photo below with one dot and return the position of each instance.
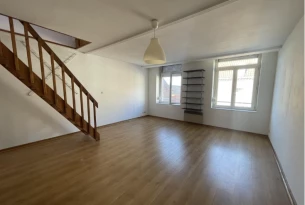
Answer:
(287, 118)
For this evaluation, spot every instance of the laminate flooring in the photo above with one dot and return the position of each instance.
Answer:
(144, 161)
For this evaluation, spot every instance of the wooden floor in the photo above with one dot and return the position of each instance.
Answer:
(144, 161)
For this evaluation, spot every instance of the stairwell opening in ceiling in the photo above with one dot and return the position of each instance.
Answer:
(48, 35)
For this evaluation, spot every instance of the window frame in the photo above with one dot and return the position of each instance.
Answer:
(170, 87)
(235, 69)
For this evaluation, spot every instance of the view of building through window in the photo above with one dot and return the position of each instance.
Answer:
(165, 89)
(224, 89)
(170, 91)
(176, 89)
(244, 87)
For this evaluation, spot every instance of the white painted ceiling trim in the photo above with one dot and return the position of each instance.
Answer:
(275, 49)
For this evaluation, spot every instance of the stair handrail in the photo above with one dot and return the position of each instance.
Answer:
(56, 58)
(65, 70)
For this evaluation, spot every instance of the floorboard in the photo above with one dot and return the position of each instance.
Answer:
(148, 160)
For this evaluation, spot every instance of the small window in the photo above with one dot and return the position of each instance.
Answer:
(165, 88)
(170, 85)
(176, 88)
(236, 83)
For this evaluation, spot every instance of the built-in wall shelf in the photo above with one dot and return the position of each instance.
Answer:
(194, 78)
(190, 91)
(192, 103)
(191, 71)
(193, 112)
(192, 109)
(193, 89)
(194, 84)
(192, 98)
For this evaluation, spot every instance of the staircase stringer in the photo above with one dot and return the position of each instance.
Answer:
(7, 60)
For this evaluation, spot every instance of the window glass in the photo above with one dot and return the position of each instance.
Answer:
(165, 88)
(176, 88)
(224, 88)
(244, 87)
(240, 62)
(236, 82)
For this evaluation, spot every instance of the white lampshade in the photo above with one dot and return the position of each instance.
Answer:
(154, 53)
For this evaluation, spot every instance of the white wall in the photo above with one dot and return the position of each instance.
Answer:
(120, 88)
(161, 110)
(26, 119)
(257, 122)
(287, 118)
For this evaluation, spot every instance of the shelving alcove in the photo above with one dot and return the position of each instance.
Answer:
(193, 89)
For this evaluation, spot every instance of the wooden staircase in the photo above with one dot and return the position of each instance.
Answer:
(10, 61)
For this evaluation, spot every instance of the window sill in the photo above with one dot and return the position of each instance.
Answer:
(232, 109)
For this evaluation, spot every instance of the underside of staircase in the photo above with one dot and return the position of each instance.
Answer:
(10, 61)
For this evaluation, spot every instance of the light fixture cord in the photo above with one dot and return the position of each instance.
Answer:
(154, 33)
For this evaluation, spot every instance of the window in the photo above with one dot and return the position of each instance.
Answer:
(170, 85)
(176, 88)
(236, 83)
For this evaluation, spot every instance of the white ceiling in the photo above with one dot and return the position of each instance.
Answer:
(241, 26)
(102, 21)
(235, 26)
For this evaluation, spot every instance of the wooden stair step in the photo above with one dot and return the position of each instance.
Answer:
(7, 60)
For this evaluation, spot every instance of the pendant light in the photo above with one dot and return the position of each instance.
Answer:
(154, 53)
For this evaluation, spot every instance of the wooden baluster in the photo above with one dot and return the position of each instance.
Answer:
(64, 87)
(16, 60)
(41, 44)
(88, 105)
(54, 79)
(81, 106)
(28, 51)
(73, 97)
(1, 51)
(94, 111)
(42, 66)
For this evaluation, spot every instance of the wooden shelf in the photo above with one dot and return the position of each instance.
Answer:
(187, 91)
(193, 78)
(193, 112)
(192, 84)
(192, 109)
(191, 71)
(192, 98)
(187, 103)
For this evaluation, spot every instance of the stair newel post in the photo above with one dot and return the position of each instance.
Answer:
(3, 61)
(1, 51)
(64, 87)
(54, 79)
(43, 78)
(28, 51)
(73, 97)
(81, 106)
(11, 22)
(88, 105)
(95, 131)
